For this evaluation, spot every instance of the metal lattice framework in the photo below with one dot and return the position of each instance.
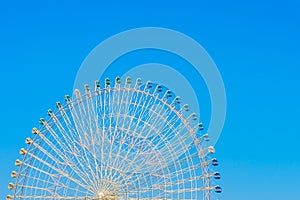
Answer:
(127, 141)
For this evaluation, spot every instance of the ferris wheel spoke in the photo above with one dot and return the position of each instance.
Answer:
(59, 172)
(133, 160)
(172, 168)
(105, 140)
(115, 98)
(112, 129)
(169, 178)
(163, 182)
(81, 167)
(135, 128)
(90, 153)
(99, 112)
(93, 129)
(111, 98)
(36, 179)
(63, 156)
(168, 184)
(130, 122)
(47, 189)
(121, 156)
(69, 133)
(149, 174)
(64, 141)
(48, 154)
(84, 160)
(128, 99)
(55, 183)
(55, 197)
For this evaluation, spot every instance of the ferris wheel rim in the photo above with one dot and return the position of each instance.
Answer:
(89, 95)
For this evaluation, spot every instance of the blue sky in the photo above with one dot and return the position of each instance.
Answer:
(255, 45)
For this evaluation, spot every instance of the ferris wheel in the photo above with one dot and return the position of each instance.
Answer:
(120, 141)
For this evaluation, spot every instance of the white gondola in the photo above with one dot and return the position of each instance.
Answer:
(13, 174)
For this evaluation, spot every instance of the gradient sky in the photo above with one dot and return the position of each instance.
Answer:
(255, 45)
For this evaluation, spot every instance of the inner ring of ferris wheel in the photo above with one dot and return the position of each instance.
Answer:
(131, 141)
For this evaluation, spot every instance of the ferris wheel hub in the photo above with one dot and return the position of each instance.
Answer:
(105, 195)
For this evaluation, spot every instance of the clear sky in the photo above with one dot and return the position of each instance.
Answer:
(255, 45)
